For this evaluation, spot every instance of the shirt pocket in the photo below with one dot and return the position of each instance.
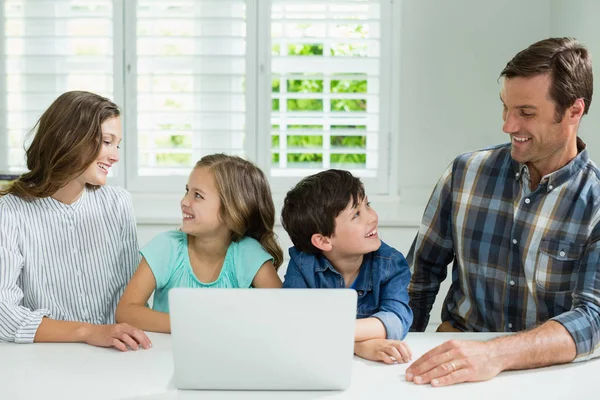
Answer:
(557, 265)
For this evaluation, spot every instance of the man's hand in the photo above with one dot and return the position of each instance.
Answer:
(456, 361)
(383, 350)
(119, 336)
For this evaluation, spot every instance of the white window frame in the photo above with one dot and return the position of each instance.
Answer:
(374, 186)
(156, 199)
(3, 106)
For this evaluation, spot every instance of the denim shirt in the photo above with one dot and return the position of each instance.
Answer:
(381, 285)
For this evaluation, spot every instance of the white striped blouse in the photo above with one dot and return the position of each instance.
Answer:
(66, 262)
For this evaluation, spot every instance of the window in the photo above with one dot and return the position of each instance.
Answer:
(49, 48)
(325, 105)
(292, 85)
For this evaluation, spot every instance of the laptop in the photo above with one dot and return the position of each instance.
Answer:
(262, 339)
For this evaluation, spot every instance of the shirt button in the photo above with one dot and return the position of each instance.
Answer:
(74, 250)
(81, 294)
(517, 175)
(510, 325)
(527, 201)
(512, 283)
(562, 253)
(550, 187)
(514, 241)
(78, 272)
(360, 292)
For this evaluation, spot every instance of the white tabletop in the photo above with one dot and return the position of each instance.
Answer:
(79, 371)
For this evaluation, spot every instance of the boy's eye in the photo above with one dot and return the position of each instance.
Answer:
(107, 142)
(368, 204)
(526, 115)
(356, 214)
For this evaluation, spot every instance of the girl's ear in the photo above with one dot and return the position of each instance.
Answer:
(321, 242)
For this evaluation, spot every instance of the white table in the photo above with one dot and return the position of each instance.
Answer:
(53, 371)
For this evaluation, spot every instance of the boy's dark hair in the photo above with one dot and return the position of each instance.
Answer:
(313, 205)
(569, 65)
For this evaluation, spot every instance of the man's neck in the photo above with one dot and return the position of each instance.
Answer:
(539, 169)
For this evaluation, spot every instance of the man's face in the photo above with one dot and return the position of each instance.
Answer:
(530, 119)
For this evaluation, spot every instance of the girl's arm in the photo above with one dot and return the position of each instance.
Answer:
(267, 277)
(132, 306)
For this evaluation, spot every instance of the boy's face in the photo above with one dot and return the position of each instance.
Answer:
(356, 230)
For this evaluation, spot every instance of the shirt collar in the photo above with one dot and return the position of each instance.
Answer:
(363, 279)
(55, 205)
(562, 175)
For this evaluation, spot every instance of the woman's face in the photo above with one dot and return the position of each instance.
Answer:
(97, 172)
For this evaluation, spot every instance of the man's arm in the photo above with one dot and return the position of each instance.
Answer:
(431, 252)
(572, 335)
(459, 361)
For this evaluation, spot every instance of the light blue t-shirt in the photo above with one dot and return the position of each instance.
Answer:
(167, 256)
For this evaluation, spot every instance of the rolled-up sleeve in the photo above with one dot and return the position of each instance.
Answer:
(17, 323)
(394, 311)
(583, 320)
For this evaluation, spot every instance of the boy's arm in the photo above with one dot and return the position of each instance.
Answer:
(394, 311)
(293, 277)
(132, 306)
(431, 252)
(369, 328)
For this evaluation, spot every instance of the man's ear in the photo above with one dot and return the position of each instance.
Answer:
(321, 242)
(575, 112)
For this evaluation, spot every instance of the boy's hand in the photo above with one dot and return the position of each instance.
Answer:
(384, 350)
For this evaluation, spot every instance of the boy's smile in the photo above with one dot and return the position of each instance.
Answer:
(355, 231)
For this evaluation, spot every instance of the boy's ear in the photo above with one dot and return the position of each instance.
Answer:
(321, 242)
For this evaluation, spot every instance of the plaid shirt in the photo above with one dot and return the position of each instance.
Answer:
(521, 257)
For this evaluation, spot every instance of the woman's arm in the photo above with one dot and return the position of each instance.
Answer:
(267, 277)
(119, 336)
(132, 306)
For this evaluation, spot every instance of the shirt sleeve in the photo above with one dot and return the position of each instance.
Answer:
(583, 320)
(162, 254)
(249, 256)
(293, 277)
(130, 255)
(394, 311)
(17, 324)
(431, 252)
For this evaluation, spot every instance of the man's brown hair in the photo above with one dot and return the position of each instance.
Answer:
(569, 65)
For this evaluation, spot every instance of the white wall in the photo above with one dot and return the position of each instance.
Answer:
(452, 53)
(581, 19)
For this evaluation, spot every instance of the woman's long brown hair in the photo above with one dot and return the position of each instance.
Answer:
(68, 139)
(246, 202)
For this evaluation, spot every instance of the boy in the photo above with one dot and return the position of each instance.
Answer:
(336, 245)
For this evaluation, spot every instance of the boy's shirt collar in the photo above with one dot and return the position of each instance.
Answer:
(320, 263)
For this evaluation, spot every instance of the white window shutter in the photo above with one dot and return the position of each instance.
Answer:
(49, 47)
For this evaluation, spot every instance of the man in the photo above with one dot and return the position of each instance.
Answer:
(521, 223)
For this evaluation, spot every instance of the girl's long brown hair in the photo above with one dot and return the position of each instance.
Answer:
(68, 139)
(247, 204)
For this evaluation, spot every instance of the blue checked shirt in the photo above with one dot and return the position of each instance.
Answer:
(520, 257)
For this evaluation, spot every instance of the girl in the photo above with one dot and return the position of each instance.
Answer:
(226, 241)
(68, 243)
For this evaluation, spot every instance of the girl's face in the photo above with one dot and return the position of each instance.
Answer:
(97, 172)
(201, 205)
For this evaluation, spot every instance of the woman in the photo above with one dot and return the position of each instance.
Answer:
(68, 243)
